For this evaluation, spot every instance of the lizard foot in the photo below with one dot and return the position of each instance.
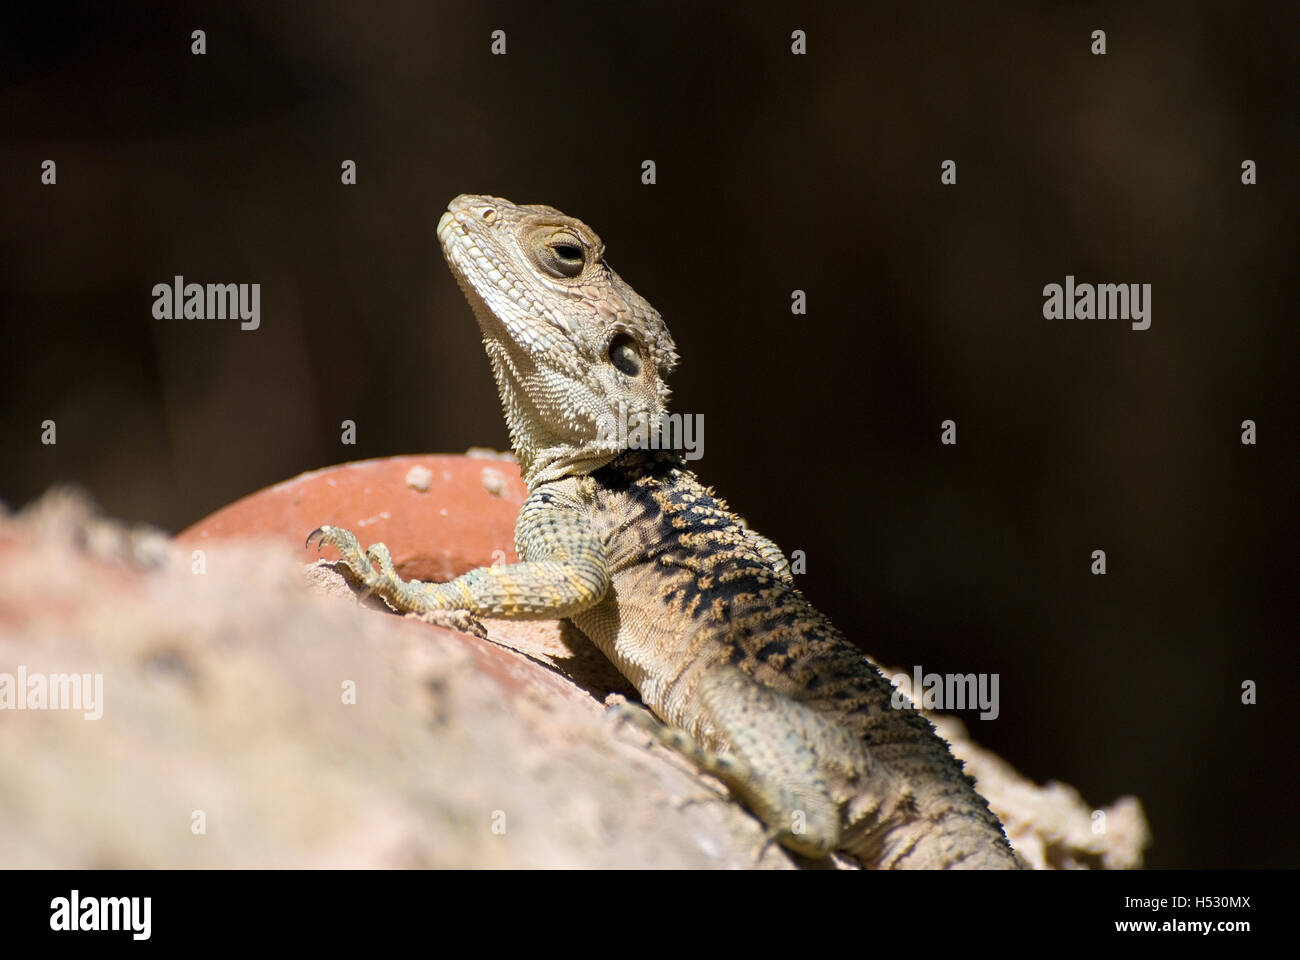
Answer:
(718, 764)
(681, 743)
(345, 542)
(374, 571)
(461, 620)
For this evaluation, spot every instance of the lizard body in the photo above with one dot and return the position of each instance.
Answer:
(697, 610)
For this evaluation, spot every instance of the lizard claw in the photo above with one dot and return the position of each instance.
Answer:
(461, 620)
(342, 540)
(770, 837)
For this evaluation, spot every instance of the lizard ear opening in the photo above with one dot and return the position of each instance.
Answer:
(625, 354)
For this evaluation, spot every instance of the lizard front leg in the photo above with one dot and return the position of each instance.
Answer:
(563, 570)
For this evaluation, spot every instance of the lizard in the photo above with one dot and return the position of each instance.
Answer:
(695, 608)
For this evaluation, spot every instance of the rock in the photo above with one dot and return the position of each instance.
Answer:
(254, 712)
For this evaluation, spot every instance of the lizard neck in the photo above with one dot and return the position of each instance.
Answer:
(545, 455)
(544, 448)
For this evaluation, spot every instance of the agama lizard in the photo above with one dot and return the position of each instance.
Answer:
(697, 610)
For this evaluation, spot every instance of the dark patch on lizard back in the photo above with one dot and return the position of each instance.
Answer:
(701, 547)
(706, 571)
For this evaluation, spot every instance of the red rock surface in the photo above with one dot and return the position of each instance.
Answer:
(464, 517)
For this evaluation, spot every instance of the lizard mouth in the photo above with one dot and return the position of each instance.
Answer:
(451, 233)
(459, 250)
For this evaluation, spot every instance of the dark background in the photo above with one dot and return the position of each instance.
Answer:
(775, 172)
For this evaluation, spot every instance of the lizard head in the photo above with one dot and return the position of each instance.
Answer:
(574, 350)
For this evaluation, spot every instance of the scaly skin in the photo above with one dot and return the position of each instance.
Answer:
(698, 611)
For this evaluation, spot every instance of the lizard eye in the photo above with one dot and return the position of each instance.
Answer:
(561, 255)
(625, 355)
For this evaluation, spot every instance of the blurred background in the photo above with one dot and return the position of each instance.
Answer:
(775, 172)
